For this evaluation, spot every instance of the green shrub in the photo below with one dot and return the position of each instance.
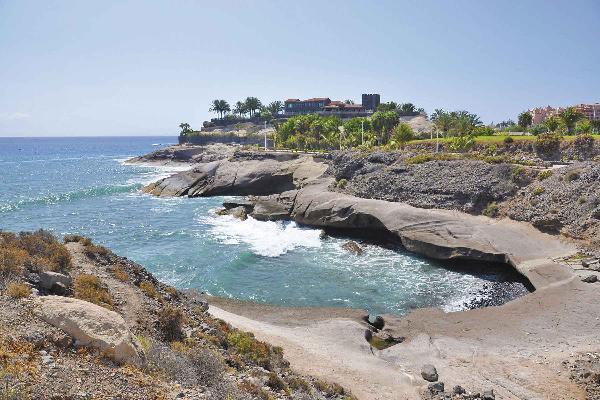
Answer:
(86, 241)
(538, 191)
(491, 210)
(519, 174)
(342, 183)
(423, 158)
(508, 140)
(401, 134)
(150, 290)
(545, 174)
(245, 344)
(461, 143)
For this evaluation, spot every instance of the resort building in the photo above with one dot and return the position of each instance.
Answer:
(325, 106)
(589, 111)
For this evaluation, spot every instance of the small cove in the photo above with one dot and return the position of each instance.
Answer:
(80, 185)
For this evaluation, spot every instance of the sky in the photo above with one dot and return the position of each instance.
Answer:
(70, 68)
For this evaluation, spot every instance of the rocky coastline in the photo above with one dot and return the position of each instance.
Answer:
(432, 208)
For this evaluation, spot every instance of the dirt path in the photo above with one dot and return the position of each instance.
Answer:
(129, 300)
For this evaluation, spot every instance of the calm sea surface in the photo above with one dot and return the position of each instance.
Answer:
(81, 185)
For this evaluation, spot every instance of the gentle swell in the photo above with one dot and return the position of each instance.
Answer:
(70, 196)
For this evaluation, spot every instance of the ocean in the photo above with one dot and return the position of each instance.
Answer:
(83, 186)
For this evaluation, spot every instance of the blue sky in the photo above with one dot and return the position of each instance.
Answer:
(142, 67)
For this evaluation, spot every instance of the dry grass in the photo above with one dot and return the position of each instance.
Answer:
(120, 273)
(86, 241)
(18, 290)
(150, 290)
(40, 249)
(90, 288)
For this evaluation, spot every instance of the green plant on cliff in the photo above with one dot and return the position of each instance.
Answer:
(547, 143)
(570, 116)
(461, 143)
(402, 134)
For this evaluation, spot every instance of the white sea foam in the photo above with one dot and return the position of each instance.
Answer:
(269, 239)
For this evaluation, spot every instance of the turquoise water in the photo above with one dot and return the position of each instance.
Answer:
(82, 185)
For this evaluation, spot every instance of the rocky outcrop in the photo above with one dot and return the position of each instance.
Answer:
(245, 177)
(440, 234)
(92, 325)
(185, 154)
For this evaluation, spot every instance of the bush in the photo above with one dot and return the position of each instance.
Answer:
(86, 241)
(508, 140)
(491, 210)
(150, 290)
(538, 191)
(170, 321)
(584, 143)
(12, 260)
(245, 344)
(275, 382)
(90, 288)
(342, 183)
(18, 290)
(423, 158)
(547, 143)
(120, 273)
(545, 174)
(401, 134)
(519, 175)
(40, 249)
(572, 176)
(461, 143)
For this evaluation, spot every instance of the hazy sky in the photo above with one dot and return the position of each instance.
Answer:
(142, 67)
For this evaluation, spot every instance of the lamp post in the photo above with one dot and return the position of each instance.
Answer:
(362, 132)
(265, 135)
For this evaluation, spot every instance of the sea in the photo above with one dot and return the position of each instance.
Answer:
(76, 185)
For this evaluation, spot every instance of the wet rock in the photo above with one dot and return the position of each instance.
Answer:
(352, 247)
(322, 234)
(590, 279)
(368, 335)
(239, 213)
(435, 388)
(429, 373)
(375, 321)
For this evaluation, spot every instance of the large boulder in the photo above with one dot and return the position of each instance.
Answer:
(49, 279)
(92, 325)
(429, 373)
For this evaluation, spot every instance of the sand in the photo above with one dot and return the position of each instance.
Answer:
(516, 349)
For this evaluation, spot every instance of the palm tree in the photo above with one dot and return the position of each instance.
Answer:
(570, 116)
(348, 101)
(252, 104)
(240, 109)
(442, 120)
(220, 107)
(406, 108)
(275, 107)
(185, 128)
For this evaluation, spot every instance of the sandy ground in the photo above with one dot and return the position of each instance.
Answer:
(516, 349)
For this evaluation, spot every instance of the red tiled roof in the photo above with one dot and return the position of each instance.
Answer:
(292, 100)
(318, 99)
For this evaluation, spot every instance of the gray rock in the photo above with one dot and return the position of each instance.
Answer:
(59, 289)
(375, 321)
(435, 388)
(488, 395)
(429, 373)
(48, 279)
(458, 390)
(239, 213)
(590, 279)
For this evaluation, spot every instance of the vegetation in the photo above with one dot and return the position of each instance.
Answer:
(547, 143)
(170, 321)
(38, 249)
(150, 290)
(525, 119)
(569, 117)
(491, 210)
(246, 345)
(90, 288)
(18, 290)
(545, 174)
(401, 135)
(221, 107)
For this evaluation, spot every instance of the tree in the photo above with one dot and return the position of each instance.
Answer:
(525, 119)
(185, 128)
(391, 106)
(442, 120)
(570, 116)
(402, 134)
(252, 105)
(220, 107)
(552, 123)
(407, 109)
(583, 127)
(348, 101)
(275, 107)
(596, 125)
(240, 109)
(383, 122)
